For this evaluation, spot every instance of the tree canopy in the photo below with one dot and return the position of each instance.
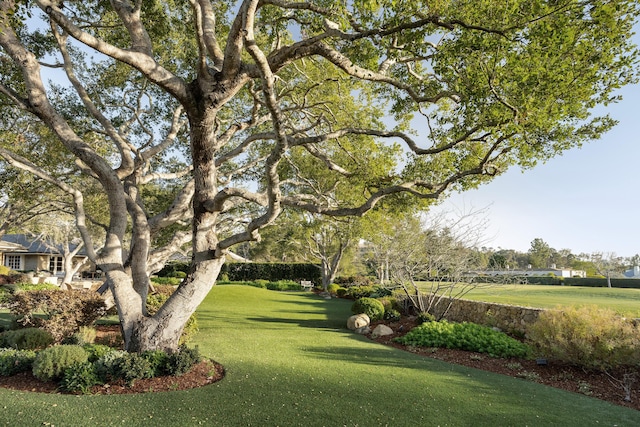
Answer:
(238, 109)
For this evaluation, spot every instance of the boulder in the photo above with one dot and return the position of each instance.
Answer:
(358, 321)
(381, 331)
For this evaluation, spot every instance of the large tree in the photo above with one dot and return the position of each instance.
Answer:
(255, 105)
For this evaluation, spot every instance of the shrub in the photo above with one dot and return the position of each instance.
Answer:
(392, 315)
(341, 293)
(355, 281)
(4, 270)
(464, 336)
(370, 306)
(284, 285)
(107, 366)
(64, 311)
(357, 292)
(182, 361)
(589, 337)
(14, 361)
(26, 339)
(96, 351)
(132, 367)
(158, 360)
(79, 378)
(51, 362)
(424, 317)
(333, 288)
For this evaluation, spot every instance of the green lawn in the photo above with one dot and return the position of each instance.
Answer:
(624, 301)
(291, 362)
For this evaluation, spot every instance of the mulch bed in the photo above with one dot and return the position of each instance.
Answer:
(595, 384)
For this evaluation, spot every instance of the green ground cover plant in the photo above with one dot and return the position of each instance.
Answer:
(464, 336)
(290, 361)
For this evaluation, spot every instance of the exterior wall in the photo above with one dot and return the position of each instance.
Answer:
(509, 318)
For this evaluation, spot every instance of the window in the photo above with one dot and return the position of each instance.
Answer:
(14, 262)
(55, 264)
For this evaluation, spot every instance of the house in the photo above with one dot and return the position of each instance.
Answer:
(23, 252)
(557, 272)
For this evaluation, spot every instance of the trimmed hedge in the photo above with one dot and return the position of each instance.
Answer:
(250, 271)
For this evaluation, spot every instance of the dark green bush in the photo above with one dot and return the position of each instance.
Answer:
(51, 362)
(284, 285)
(273, 272)
(158, 360)
(14, 361)
(392, 315)
(183, 360)
(79, 378)
(107, 366)
(357, 292)
(134, 366)
(349, 281)
(370, 306)
(26, 339)
(464, 336)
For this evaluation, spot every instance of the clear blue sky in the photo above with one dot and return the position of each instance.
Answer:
(586, 200)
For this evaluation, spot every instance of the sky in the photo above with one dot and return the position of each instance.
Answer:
(586, 200)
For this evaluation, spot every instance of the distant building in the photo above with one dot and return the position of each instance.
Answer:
(532, 272)
(634, 273)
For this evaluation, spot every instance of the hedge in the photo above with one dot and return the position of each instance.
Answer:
(249, 271)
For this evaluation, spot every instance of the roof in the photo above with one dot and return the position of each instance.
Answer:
(26, 243)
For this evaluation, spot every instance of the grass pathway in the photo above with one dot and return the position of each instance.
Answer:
(290, 362)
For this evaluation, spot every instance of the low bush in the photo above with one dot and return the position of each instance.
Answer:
(182, 361)
(107, 366)
(96, 351)
(84, 335)
(392, 315)
(79, 378)
(357, 292)
(589, 337)
(424, 317)
(464, 336)
(370, 306)
(64, 311)
(134, 366)
(333, 288)
(158, 360)
(284, 285)
(26, 339)
(348, 281)
(15, 361)
(51, 362)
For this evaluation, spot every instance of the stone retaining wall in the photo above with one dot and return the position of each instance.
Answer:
(509, 318)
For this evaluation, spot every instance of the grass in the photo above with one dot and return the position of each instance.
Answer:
(291, 362)
(624, 301)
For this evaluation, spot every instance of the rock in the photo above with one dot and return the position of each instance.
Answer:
(358, 321)
(381, 331)
(363, 330)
